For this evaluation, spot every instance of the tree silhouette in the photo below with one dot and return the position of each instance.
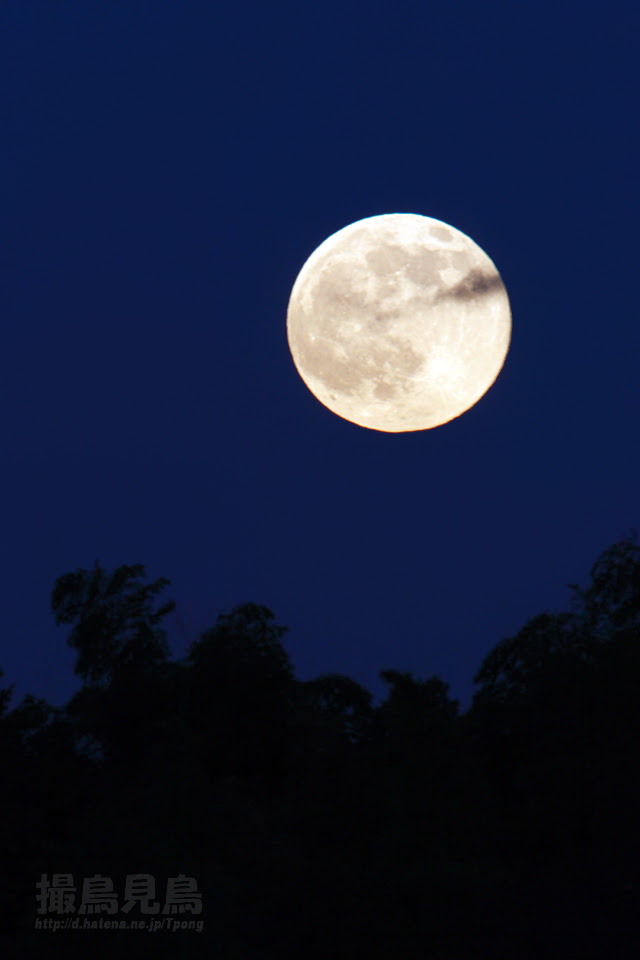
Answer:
(114, 625)
(318, 824)
(611, 602)
(5, 696)
(241, 692)
(556, 719)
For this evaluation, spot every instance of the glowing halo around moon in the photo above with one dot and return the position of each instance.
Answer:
(398, 322)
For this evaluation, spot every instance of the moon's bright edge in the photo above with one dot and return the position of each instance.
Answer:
(399, 322)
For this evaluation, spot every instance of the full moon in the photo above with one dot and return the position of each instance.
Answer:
(399, 322)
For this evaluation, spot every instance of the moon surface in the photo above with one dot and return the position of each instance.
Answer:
(399, 322)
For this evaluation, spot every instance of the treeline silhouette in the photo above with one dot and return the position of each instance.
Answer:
(315, 824)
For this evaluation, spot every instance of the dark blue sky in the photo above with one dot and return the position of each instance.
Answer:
(168, 168)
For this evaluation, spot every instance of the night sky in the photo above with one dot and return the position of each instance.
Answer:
(168, 167)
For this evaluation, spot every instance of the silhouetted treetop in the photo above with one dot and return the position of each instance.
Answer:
(551, 648)
(5, 696)
(241, 691)
(241, 642)
(337, 705)
(408, 694)
(417, 715)
(114, 623)
(515, 663)
(611, 602)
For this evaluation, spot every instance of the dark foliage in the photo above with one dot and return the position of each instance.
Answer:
(315, 823)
